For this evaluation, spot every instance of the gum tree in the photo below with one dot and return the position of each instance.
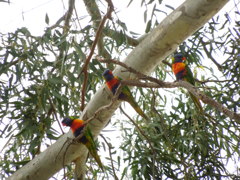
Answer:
(45, 78)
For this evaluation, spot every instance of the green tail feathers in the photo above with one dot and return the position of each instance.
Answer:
(196, 102)
(94, 154)
(137, 108)
(130, 99)
(189, 78)
(92, 148)
(127, 96)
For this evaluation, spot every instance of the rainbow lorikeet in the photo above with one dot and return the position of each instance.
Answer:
(77, 126)
(113, 82)
(183, 72)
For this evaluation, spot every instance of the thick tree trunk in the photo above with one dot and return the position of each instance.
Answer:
(162, 41)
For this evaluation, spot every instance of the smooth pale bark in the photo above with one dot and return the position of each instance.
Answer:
(161, 42)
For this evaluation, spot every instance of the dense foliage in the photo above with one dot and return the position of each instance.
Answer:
(40, 84)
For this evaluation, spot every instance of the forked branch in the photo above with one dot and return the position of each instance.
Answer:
(156, 83)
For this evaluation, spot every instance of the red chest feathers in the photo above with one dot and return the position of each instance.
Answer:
(77, 123)
(178, 67)
(112, 83)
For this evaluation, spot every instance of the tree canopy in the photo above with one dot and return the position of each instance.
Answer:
(50, 76)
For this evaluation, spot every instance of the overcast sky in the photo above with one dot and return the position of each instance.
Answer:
(31, 14)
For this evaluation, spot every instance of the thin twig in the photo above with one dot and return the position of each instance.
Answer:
(55, 25)
(208, 81)
(137, 73)
(70, 142)
(53, 109)
(110, 154)
(87, 61)
(167, 63)
(209, 54)
(76, 140)
(64, 154)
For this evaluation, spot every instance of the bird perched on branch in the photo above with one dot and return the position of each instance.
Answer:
(183, 72)
(113, 83)
(78, 128)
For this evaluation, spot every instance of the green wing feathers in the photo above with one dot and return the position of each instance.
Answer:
(137, 109)
(189, 76)
(92, 148)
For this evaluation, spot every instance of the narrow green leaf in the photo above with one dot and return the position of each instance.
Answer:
(46, 19)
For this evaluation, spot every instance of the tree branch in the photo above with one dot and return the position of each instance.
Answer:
(110, 154)
(156, 83)
(95, 14)
(87, 61)
(68, 15)
(209, 55)
(206, 99)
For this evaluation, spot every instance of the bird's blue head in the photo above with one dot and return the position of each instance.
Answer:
(108, 75)
(178, 58)
(67, 121)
